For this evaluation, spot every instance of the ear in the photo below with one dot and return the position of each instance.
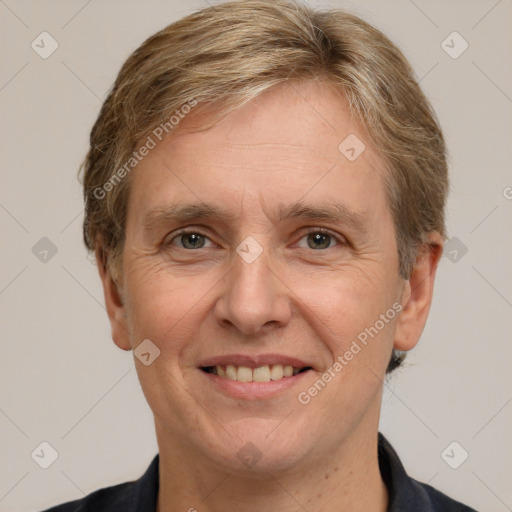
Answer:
(417, 294)
(116, 309)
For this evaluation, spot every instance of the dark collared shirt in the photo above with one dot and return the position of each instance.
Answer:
(405, 494)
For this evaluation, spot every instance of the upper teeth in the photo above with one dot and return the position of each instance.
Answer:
(263, 373)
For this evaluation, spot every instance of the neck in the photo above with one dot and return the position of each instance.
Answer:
(347, 479)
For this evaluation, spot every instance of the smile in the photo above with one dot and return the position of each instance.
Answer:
(264, 373)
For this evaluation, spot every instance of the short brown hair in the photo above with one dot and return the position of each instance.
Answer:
(226, 55)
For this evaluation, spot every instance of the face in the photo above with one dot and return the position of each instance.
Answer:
(256, 257)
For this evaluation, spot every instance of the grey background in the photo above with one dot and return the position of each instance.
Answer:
(62, 380)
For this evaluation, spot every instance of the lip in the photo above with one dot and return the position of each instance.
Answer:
(254, 361)
(252, 390)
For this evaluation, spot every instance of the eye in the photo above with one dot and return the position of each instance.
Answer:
(190, 240)
(319, 239)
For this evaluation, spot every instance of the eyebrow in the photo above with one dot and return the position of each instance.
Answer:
(184, 212)
(178, 213)
(337, 213)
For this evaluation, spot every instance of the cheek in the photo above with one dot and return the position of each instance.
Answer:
(345, 304)
(166, 308)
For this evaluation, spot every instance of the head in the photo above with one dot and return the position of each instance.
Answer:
(231, 123)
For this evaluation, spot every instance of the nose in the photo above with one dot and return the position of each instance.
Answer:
(254, 298)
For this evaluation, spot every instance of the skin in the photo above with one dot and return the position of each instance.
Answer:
(294, 299)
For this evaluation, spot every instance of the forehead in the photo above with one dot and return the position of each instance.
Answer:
(286, 146)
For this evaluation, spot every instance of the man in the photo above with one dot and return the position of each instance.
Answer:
(265, 194)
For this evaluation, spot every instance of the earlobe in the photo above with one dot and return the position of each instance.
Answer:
(116, 308)
(417, 295)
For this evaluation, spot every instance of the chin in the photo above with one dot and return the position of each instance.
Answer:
(258, 447)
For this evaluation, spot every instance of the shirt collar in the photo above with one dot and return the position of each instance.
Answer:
(404, 493)
(146, 489)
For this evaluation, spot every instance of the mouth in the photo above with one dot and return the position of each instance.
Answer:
(263, 373)
(254, 377)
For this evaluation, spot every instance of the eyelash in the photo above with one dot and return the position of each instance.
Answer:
(340, 240)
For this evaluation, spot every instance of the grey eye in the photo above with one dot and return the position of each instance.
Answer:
(192, 240)
(319, 240)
